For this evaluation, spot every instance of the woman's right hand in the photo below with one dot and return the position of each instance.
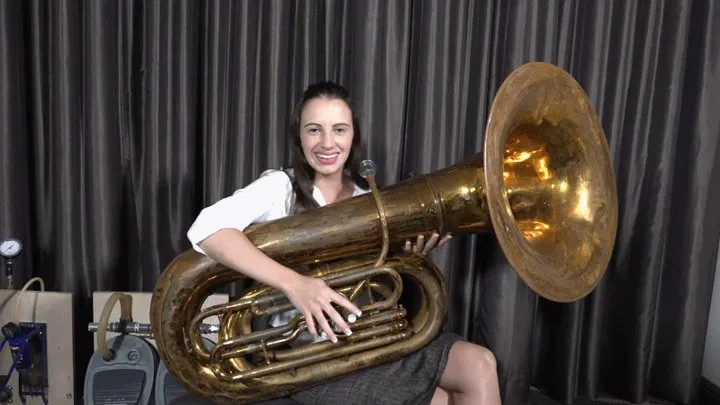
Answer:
(313, 298)
(310, 296)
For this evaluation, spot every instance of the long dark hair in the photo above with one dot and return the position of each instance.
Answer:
(303, 173)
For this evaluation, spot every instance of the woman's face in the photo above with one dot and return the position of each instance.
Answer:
(326, 135)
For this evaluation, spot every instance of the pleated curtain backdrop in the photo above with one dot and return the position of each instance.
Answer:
(120, 120)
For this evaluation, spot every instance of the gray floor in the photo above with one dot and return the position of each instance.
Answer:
(537, 398)
(534, 398)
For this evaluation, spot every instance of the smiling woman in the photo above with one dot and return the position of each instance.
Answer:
(325, 134)
(327, 139)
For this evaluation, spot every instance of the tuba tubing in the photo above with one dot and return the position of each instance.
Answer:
(543, 185)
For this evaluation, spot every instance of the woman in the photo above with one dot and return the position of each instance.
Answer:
(326, 135)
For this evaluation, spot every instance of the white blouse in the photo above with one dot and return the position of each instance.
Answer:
(269, 197)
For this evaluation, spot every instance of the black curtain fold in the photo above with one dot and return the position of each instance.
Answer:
(120, 121)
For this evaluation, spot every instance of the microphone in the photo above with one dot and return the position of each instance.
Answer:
(367, 168)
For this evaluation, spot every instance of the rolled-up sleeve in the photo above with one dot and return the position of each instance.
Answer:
(246, 206)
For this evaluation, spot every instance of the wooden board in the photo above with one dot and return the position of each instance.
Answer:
(56, 311)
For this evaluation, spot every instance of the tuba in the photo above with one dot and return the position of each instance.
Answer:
(544, 185)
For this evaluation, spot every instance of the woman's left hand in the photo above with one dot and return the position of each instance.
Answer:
(422, 247)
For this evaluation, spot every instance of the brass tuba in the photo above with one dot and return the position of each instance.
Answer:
(544, 185)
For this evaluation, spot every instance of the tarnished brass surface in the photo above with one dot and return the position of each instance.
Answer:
(543, 184)
(550, 185)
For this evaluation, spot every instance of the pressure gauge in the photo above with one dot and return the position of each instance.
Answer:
(10, 248)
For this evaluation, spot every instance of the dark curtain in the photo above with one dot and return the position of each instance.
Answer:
(120, 120)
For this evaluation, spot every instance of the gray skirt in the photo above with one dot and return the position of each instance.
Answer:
(411, 380)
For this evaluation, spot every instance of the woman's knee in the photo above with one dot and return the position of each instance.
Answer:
(480, 359)
(468, 365)
(486, 357)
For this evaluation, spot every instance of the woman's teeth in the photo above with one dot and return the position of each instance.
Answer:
(327, 159)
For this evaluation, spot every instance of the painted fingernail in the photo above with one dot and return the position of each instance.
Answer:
(348, 332)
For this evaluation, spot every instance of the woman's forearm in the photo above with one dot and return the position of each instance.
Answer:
(310, 296)
(233, 249)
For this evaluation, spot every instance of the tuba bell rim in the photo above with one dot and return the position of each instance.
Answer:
(569, 281)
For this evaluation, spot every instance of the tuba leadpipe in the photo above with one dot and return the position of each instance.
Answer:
(543, 185)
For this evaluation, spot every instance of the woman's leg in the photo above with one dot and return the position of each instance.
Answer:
(440, 397)
(470, 377)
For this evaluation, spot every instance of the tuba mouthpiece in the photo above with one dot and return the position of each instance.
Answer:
(367, 168)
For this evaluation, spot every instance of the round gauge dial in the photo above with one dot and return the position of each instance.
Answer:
(10, 247)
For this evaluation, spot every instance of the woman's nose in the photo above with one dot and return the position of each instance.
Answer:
(327, 140)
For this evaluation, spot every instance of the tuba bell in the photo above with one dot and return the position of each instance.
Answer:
(544, 185)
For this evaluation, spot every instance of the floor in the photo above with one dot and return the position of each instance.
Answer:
(537, 398)
(534, 398)
(708, 394)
